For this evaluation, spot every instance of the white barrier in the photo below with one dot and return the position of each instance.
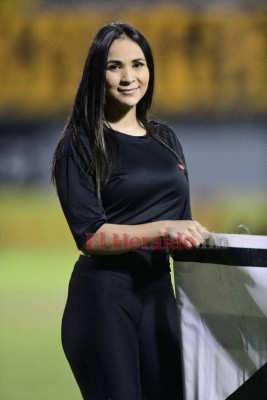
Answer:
(221, 297)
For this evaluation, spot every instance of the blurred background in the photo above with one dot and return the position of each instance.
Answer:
(211, 87)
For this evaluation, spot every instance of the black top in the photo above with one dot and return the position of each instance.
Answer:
(148, 184)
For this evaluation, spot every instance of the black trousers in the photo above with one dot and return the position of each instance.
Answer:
(120, 334)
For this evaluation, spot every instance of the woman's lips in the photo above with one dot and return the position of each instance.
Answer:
(128, 91)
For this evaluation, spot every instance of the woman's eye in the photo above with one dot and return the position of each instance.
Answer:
(113, 67)
(138, 65)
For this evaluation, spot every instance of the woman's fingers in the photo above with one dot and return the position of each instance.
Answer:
(189, 234)
(202, 230)
(190, 242)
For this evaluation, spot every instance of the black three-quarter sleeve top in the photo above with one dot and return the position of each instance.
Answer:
(148, 184)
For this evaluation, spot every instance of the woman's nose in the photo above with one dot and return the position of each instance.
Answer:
(127, 76)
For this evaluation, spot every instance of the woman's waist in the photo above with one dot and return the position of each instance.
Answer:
(138, 260)
(134, 273)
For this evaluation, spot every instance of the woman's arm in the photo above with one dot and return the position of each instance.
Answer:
(117, 239)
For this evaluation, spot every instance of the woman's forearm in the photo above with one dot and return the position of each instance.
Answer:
(118, 239)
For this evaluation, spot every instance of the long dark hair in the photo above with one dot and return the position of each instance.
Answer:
(88, 115)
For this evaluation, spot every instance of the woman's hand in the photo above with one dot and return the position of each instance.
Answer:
(185, 234)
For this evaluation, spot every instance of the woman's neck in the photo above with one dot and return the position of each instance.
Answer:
(125, 122)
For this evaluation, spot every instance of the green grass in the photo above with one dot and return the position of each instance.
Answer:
(37, 255)
(33, 294)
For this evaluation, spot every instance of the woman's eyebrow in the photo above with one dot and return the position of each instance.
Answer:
(114, 61)
(120, 62)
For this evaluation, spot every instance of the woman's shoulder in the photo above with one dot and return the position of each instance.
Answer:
(160, 127)
(67, 145)
(166, 133)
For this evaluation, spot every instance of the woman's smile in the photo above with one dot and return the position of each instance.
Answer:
(128, 91)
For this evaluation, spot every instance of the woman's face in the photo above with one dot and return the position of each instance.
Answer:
(127, 74)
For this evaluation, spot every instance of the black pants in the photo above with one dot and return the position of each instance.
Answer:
(120, 335)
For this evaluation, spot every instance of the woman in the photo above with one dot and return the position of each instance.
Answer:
(122, 183)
